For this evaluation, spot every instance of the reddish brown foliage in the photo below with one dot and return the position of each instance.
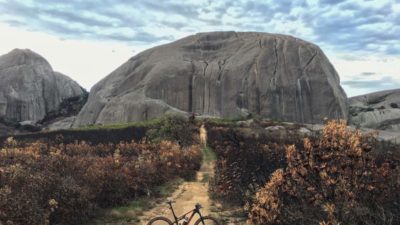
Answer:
(64, 184)
(334, 180)
(244, 162)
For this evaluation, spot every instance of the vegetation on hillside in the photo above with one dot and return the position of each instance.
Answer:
(339, 177)
(175, 128)
(244, 161)
(65, 184)
(336, 177)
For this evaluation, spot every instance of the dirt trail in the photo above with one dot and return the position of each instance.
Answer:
(186, 196)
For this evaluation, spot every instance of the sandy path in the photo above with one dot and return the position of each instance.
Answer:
(186, 196)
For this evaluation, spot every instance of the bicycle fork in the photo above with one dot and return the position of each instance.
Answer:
(201, 217)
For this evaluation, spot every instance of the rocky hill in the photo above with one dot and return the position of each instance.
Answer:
(224, 74)
(30, 90)
(379, 110)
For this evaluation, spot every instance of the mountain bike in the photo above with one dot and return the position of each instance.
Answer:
(203, 220)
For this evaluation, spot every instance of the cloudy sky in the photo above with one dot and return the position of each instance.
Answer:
(88, 39)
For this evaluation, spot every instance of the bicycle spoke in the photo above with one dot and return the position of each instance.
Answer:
(160, 222)
(209, 222)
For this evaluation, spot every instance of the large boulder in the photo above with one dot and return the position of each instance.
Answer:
(224, 74)
(379, 110)
(30, 89)
(61, 124)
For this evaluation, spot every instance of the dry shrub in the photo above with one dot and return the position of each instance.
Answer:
(334, 180)
(244, 163)
(65, 184)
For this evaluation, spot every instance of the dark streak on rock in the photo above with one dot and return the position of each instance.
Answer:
(191, 84)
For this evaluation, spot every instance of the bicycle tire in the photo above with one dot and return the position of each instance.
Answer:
(205, 219)
(159, 219)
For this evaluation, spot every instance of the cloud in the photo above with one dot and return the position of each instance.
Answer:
(349, 31)
(341, 25)
(357, 26)
(84, 61)
(76, 20)
(331, 2)
(178, 8)
(370, 85)
(368, 74)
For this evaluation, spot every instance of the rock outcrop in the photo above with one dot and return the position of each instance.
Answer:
(224, 74)
(379, 110)
(30, 89)
(61, 124)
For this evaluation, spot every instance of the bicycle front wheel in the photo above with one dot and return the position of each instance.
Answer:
(207, 220)
(159, 220)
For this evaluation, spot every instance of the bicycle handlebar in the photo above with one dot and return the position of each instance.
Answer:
(170, 201)
(198, 206)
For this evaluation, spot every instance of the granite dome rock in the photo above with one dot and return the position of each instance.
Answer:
(30, 89)
(222, 74)
(378, 110)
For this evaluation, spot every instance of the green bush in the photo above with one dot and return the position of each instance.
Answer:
(175, 128)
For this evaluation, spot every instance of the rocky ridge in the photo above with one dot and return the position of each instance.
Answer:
(30, 89)
(223, 74)
(379, 110)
